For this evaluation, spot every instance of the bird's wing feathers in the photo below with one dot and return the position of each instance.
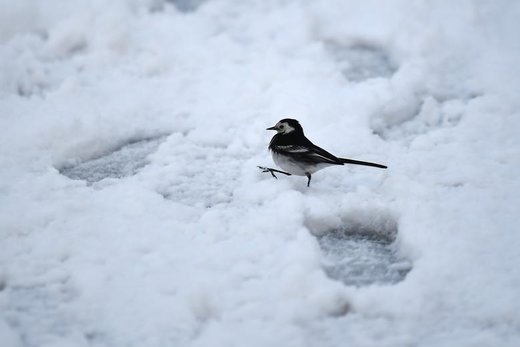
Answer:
(311, 154)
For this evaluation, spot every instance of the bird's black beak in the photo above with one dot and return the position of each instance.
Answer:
(271, 128)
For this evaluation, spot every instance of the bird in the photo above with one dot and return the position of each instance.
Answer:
(297, 155)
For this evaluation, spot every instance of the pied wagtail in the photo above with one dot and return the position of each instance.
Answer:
(297, 155)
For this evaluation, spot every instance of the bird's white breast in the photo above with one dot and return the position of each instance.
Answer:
(286, 163)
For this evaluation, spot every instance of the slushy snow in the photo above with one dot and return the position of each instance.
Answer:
(132, 211)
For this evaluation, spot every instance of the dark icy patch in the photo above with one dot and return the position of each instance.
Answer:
(359, 62)
(360, 254)
(124, 161)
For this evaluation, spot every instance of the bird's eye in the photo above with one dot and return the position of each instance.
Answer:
(281, 126)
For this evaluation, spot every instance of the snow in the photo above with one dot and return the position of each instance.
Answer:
(132, 211)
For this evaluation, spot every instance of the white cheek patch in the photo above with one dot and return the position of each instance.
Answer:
(287, 128)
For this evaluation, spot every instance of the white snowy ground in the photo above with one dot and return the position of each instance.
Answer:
(196, 247)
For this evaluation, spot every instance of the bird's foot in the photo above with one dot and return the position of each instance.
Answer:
(272, 171)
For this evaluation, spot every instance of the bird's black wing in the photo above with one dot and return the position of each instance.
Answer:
(311, 154)
(320, 152)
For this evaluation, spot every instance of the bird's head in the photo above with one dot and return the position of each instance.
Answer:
(286, 126)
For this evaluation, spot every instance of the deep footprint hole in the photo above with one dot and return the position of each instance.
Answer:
(361, 61)
(364, 250)
(123, 161)
(187, 6)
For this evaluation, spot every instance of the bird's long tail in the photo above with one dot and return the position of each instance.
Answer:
(358, 162)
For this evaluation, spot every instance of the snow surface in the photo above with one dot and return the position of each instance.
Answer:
(187, 243)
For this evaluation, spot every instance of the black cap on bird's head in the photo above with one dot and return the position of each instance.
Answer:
(286, 126)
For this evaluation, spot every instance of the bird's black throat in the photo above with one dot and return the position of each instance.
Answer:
(294, 138)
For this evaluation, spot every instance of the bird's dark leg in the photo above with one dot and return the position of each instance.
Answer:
(309, 177)
(272, 171)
